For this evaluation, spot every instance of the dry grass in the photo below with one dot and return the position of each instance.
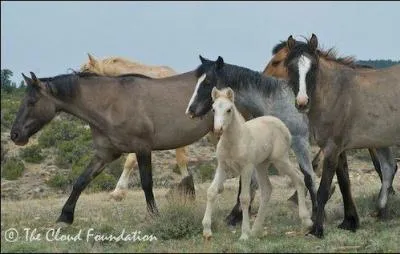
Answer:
(282, 226)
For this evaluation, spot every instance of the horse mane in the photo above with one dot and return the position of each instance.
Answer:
(64, 86)
(115, 59)
(244, 78)
(278, 47)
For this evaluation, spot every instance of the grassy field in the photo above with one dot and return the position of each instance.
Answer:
(179, 228)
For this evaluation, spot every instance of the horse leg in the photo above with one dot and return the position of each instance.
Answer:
(351, 220)
(186, 186)
(120, 190)
(329, 166)
(235, 215)
(284, 165)
(94, 168)
(265, 191)
(246, 173)
(146, 179)
(215, 188)
(300, 146)
(388, 170)
(316, 161)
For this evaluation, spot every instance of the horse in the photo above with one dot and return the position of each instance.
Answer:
(255, 95)
(126, 114)
(276, 68)
(348, 108)
(243, 146)
(115, 66)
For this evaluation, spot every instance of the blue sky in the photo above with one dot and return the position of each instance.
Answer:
(48, 38)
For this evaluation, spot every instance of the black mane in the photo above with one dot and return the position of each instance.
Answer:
(64, 86)
(243, 78)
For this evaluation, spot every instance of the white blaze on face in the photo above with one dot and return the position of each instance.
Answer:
(220, 113)
(199, 81)
(304, 67)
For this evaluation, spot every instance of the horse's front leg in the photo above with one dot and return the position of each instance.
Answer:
(329, 167)
(246, 174)
(351, 220)
(94, 168)
(146, 180)
(215, 187)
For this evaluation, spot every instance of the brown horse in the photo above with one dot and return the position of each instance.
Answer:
(129, 113)
(277, 68)
(348, 108)
(115, 66)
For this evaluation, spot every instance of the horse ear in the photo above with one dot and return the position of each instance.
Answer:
(28, 81)
(36, 82)
(230, 94)
(92, 60)
(202, 59)
(313, 43)
(219, 63)
(214, 93)
(290, 42)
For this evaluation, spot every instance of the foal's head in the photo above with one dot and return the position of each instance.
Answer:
(93, 66)
(302, 63)
(223, 108)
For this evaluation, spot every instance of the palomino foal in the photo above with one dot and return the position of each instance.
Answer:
(243, 146)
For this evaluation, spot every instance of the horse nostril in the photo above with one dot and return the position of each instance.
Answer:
(14, 135)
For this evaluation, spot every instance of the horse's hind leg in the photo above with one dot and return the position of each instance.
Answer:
(284, 165)
(94, 168)
(388, 169)
(186, 186)
(265, 193)
(300, 146)
(121, 188)
(351, 219)
(246, 173)
(146, 179)
(236, 216)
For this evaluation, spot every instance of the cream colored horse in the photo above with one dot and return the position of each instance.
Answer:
(114, 66)
(243, 146)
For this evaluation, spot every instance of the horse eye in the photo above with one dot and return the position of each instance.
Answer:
(213, 110)
(229, 110)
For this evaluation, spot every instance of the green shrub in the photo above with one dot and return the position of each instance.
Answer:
(176, 221)
(59, 180)
(116, 167)
(12, 168)
(206, 171)
(32, 154)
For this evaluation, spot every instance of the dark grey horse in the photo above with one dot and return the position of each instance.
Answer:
(256, 95)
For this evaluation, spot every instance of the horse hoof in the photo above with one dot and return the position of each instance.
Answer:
(317, 231)
(383, 214)
(350, 223)
(207, 236)
(244, 237)
(118, 195)
(66, 217)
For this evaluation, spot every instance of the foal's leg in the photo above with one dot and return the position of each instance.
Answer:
(377, 166)
(146, 179)
(284, 165)
(215, 187)
(246, 173)
(351, 220)
(300, 146)
(120, 190)
(265, 191)
(94, 168)
(388, 169)
(235, 215)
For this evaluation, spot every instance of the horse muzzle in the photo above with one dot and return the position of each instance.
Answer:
(18, 138)
(302, 104)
